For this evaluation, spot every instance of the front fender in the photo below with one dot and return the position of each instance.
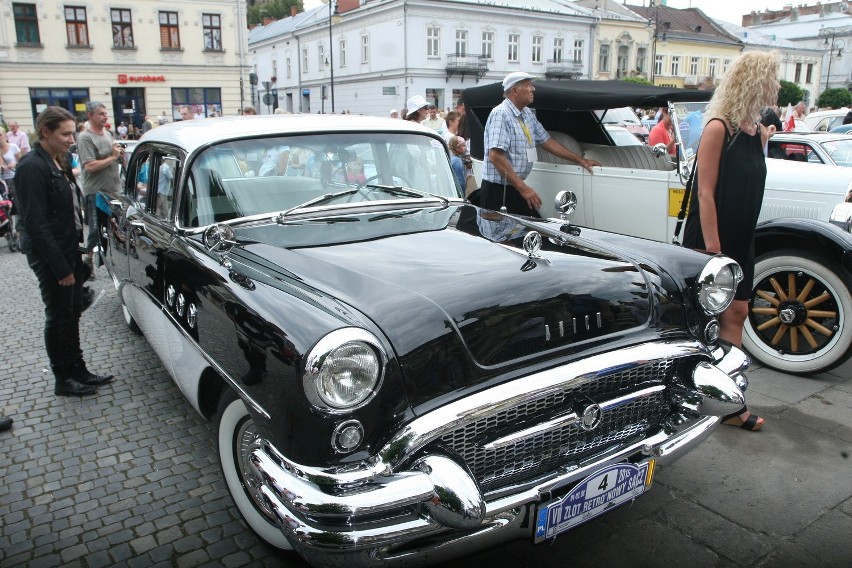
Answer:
(805, 234)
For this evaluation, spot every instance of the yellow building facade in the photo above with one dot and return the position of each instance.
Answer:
(145, 57)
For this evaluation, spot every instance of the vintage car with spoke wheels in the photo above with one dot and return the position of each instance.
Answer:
(397, 376)
(800, 318)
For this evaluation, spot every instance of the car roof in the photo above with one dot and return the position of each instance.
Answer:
(192, 135)
(588, 95)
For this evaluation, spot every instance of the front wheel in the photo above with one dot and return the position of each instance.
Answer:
(798, 319)
(237, 437)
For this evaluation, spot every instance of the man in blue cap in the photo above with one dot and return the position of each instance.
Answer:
(512, 134)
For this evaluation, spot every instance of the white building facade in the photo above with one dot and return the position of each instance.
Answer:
(829, 35)
(385, 51)
(140, 57)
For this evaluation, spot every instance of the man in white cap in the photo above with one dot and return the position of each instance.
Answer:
(512, 134)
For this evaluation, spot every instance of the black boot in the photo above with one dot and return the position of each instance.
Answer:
(66, 386)
(84, 377)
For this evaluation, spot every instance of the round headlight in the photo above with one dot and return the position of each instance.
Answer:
(718, 284)
(343, 370)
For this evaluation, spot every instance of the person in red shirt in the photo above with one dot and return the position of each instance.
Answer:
(662, 132)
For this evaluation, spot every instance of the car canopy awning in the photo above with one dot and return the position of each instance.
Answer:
(588, 95)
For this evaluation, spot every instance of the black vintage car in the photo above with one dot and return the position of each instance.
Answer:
(397, 376)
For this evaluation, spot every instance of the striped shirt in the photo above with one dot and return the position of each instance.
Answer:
(504, 131)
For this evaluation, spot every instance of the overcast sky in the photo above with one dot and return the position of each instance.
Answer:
(728, 10)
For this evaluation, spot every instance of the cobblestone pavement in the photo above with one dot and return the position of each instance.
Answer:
(130, 477)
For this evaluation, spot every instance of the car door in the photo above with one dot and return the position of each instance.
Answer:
(115, 231)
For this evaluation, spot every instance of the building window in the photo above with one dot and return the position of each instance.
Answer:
(558, 47)
(537, 44)
(711, 67)
(289, 68)
(809, 73)
(798, 75)
(274, 68)
(658, 65)
(514, 44)
(623, 60)
(169, 34)
(675, 65)
(26, 23)
(488, 45)
(304, 60)
(122, 28)
(203, 102)
(433, 42)
(461, 42)
(342, 49)
(578, 51)
(725, 64)
(693, 65)
(641, 54)
(75, 26)
(365, 49)
(69, 99)
(212, 24)
(435, 97)
(603, 58)
(322, 56)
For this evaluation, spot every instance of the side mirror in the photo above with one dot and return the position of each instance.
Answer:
(566, 203)
(219, 238)
(659, 150)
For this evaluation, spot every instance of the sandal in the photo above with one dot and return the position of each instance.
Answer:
(753, 423)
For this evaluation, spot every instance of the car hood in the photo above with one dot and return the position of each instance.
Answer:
(459, 278)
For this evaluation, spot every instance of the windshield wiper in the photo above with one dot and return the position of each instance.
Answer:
(407, 191)
(280, 217)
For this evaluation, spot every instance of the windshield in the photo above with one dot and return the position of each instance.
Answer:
(690, 120)
(273, 175)
(840, 151)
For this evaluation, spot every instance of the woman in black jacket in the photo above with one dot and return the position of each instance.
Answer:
(51, 230)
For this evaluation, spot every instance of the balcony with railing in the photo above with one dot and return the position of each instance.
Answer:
(563, 69)
(466, 64)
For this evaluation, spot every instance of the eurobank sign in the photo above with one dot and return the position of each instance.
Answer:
(124, 79)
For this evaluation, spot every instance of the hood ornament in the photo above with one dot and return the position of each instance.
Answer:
(532, 243)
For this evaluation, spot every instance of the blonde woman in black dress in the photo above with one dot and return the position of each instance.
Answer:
(730, 180)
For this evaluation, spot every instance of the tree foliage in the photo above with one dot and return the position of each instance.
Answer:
(834, 98)
(790, 93)
(640, 80)
(272, 9)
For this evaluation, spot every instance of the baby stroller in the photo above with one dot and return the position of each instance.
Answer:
(7, 224)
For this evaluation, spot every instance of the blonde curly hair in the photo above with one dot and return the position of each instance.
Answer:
(750, 84)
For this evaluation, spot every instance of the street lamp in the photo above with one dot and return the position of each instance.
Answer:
(660, 31)
(834, 46)
(333, 18)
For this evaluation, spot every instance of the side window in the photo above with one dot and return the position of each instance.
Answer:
(136, 177)
(166, 181)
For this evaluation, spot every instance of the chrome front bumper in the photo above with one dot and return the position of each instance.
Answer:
(375, 515)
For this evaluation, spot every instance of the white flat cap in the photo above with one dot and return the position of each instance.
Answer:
(511, 79)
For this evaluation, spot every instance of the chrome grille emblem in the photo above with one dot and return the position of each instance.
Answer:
(532, 243)
(591, 417)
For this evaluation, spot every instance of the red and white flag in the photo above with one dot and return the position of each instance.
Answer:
(790, 121)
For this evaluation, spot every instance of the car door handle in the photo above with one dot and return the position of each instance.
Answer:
(139, 226)
(116, 204)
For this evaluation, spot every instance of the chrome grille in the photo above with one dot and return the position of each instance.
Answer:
(544, 452)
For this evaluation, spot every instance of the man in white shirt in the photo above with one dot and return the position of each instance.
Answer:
(18, 138)
(434, 121)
